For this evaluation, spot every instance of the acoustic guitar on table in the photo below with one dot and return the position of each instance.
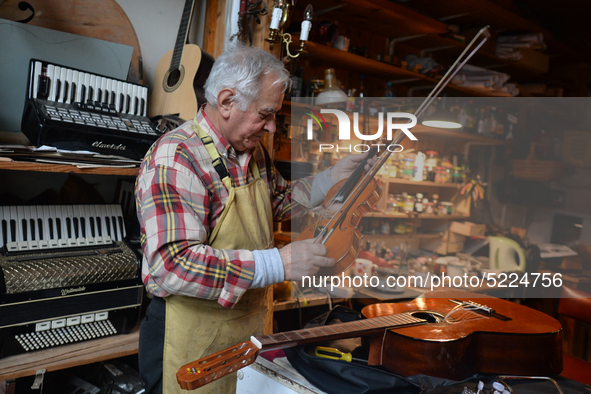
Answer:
(448, 334)
(180, 75)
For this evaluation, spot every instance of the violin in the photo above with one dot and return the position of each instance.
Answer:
(349, 200)
(345, 245)
(448, 334)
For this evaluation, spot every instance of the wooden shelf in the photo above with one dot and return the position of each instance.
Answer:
(423, 25)
(382, 17)
(486, 12)
(447, 133)
(421, 183)
(356, 63)
(42, 167)
(449, 49)
(417, 236)
(402, 215)
(67, 356)
(311, 300)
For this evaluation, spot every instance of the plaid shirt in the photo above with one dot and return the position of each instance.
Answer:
(179, 199)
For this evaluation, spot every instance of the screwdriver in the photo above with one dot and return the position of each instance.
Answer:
(335, 354)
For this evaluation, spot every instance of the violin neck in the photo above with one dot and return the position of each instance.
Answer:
(348, 187)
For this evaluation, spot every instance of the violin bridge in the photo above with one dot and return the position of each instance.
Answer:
(319, 230)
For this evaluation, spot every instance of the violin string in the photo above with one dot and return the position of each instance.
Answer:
(362, 184)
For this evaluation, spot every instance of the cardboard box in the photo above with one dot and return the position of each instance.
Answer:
(441, 246)
(535, 60)
(468, 229)
(452, 237)
(575, 147)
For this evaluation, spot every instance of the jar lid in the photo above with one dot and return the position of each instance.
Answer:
(431, 152)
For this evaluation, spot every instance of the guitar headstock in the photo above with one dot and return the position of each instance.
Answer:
(213, 367)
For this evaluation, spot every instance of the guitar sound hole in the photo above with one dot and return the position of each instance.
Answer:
(431, 317)
(173, 77)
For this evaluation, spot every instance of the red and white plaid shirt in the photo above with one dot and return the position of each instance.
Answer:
(179, 199)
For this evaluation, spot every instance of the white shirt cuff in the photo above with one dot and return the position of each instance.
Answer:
(268, 268)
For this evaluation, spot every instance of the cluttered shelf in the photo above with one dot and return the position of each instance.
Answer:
(68, 356)
(487, 12)
(378, 16)
(403, 215)
(289, 106)
(352, 62)
(421, 183)
(440, 38)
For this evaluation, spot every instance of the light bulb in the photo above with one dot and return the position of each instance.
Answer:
(306, 23)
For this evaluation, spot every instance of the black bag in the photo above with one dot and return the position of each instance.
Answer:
(335, 376)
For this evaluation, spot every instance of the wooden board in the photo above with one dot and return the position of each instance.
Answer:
(68, 356)
(102, 19)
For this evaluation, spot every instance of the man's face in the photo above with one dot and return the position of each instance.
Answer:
(247, 128)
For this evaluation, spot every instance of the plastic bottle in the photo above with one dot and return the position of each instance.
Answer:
(417, 174)
(389, 92)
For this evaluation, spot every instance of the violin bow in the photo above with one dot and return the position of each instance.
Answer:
(459, 63)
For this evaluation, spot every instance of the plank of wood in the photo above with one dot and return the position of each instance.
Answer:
(68, 356)
(40, 167)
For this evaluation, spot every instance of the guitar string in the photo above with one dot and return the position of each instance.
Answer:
(460, 308)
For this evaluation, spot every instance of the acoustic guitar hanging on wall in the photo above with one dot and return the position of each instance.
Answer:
(180, 75)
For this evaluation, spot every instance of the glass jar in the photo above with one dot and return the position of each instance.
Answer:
(399, 202)
(391, 203)
(409, 204)
(406, 170)
(430, 165)
(446, 208)
(440, 175)
(457, 175)
(393, 169)
(399, 227)
(419, 207)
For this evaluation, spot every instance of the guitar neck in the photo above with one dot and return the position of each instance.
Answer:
(334, 331)
(181, 37)
(215, 366)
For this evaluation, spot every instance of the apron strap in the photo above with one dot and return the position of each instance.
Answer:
(218, 164)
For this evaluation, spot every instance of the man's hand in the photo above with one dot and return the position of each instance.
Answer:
(304, 258)
(345, 167)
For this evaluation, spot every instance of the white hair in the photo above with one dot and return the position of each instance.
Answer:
(242, 68)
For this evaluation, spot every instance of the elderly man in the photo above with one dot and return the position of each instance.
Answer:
(206, 195)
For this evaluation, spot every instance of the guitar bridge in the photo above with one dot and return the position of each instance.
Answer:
(483, 309)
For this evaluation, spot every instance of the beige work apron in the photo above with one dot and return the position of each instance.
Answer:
(197, 327)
